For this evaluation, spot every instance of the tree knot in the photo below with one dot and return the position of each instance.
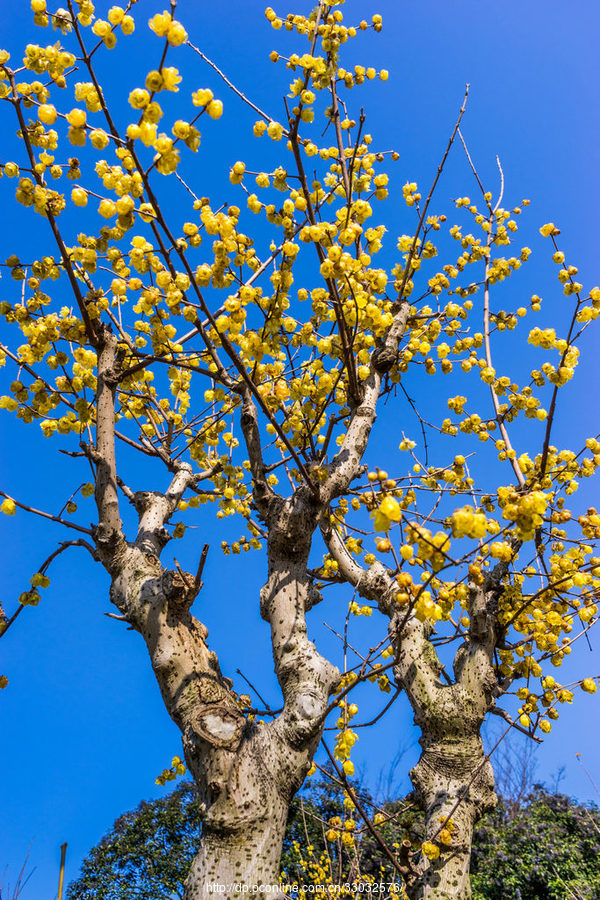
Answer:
(383, 359)
(179, 589)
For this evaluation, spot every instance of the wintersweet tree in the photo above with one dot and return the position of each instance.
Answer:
(188, 320)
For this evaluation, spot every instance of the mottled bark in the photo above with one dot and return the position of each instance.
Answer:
(453, 779)
(106, 492)
(246, 772)
(346, 464)
(305, 677)
(245, 817)
(454, 783)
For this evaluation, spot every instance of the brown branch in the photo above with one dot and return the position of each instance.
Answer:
(488, 358)
(402, 867)
(90, 330)
(430, 195)
(198, 583)
(107, 499)
(552, 410)
(330, 282)
(42, 570)
(230, 84)
(45, 515)
(502, 713)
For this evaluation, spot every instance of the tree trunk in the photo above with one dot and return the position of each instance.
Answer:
(453, 780)
(247, 785)
(246, 799)
(455, 784)
(228, 862)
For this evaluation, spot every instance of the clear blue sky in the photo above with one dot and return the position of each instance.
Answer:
(84, 731)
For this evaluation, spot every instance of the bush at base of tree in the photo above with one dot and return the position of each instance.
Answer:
(545, 848)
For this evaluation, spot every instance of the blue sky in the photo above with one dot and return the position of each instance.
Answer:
(84, 731)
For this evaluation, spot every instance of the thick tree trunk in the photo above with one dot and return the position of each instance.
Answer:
(247, 779)
(230, 862)
(453, 780)
(455, 784)
(246, 772)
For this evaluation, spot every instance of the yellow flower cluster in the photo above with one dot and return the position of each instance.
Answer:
(164, 25)
(176, 769)
(468, 522)
(525, 510)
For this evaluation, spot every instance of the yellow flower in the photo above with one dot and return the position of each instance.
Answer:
(139, 98)
(467, 522)
(39, 580)
(107, 209)
(9, 507)
(160, 24)
(115, 15)
(275, 131)
(76, 118)
(171, 78)
(47, 114)
(79, 197)
(431, 851)
(127, 25)
(202, 97)
(390, 507)
(177, 34)
(237, 172)
(99, 139)
(549, 229)
(215, 109)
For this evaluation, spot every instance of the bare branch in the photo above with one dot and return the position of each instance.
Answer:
(4, 626)
(230, 84)
(107, 499)
(46, 515)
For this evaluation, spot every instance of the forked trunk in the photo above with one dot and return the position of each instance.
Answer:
(246, 794)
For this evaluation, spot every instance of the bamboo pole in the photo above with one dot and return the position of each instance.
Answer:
(61, 877)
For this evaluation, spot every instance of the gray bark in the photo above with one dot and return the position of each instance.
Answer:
(246, 772)
(453, 778)
(453, 781)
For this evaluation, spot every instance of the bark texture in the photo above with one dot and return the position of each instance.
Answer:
(246, 772)
(453, 779)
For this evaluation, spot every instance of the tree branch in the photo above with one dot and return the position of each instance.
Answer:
(107, 499)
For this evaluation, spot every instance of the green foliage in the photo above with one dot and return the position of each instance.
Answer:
(547, 849)
(146, 855)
